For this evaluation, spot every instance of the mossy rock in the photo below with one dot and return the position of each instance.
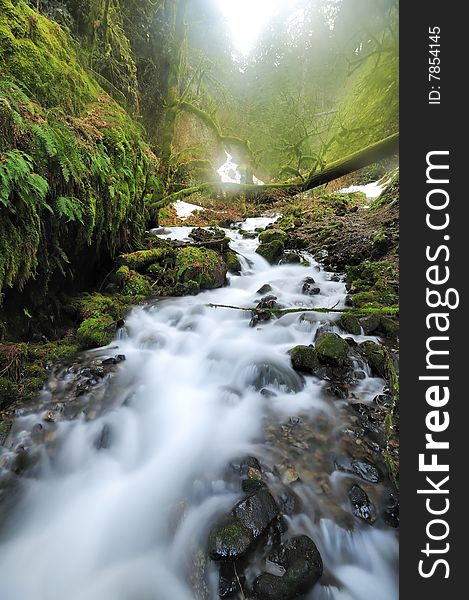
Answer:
(271, 251)
(377, 357)
(350, 324)
(272, 235)
(332, 350)
(232, 262)
(305, 359)
(202, 266)
(132, 283)
(96, 331)
(389, 327)
(229, 540)
(140, 260)
(370, 323)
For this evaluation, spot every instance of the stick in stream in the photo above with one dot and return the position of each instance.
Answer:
(285, 311)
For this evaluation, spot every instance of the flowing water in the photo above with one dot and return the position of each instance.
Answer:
(128, 519)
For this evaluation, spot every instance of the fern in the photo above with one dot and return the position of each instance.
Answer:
(70, 208)
(17, 177)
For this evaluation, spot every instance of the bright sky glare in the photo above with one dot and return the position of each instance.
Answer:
(246, 19)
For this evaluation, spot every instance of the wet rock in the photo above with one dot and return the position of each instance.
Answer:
(103, 441)
(229, 539)
(289, 258)
(303, 567)
(242, 464)
(349, 324)
(230, 580)
(263, 310)
(388, 327)
(391, 510)
(338, 391)
(361, 469)
(366, 471)
(332, 350)
(376, 356)
(362, 507)
(305, 359)
(254, 474)
(265, 289)
(322, 330)
(370, 324)
(289, 502)
(272, 251)
(278, 375)
(288, 474)
(232, 262)
(256, 512)
(309, 288)
(251, 486)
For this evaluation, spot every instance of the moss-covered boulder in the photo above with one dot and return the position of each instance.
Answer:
(96, 331)
(132, 283)
(232, 262)
(202, 266)
(271, 251)
(9, 392)
(350, 324)
(272, 235)
(332, 350)
(377, 357)
(229, 539)
(142, 259)
(305, 359)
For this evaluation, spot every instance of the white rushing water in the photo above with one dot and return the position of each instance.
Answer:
(128, 522)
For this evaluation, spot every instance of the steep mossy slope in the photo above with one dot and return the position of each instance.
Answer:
(370, 109)
(75, 172)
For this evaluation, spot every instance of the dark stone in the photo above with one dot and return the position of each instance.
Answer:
(289, 502)
(272, 252)
(109, 361)
(103, 441)
(290, 258)
(229, 539)
(305, 359)
(244, 463)
(120, 357)
(309, 288)
(251, 486)
(349, 324)
(265, 289)
(322, 330)
(366, 471)
(332, 350)
(338, 391)
(228, 585)
(391, 511)
(376, 356)
(303, 567)
(370, 324)
(362, 506)
(263, 308)
(256, 512)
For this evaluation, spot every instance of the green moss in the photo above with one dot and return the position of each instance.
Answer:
(349, 323)
(272, 251)
(9, 392)
(232, 262)
(272, 235)
(74, 168)
(96, 331)
(132, 283)
(304, 359)
(332, 350)
(141, 259)
(375, 284)
(200, 265)
(376, 356)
